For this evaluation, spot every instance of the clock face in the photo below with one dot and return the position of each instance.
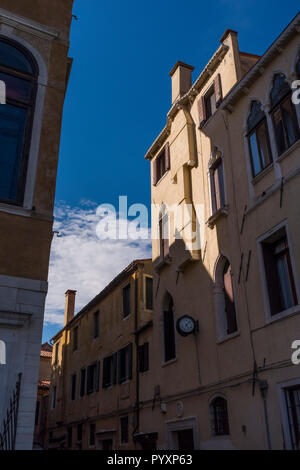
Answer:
(186, 325)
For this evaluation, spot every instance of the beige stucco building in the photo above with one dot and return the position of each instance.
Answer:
(99, 358)
(34, 66)
(229, 154)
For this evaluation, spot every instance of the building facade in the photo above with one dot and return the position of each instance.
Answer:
(42, 402)
(34, 66)
(98, 360)
(227, 263)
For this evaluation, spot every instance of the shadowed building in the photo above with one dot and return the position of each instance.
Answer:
(42, 402)
(98, 360)
(34, 65)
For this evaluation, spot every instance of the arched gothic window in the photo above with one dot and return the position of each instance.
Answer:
(219, 417)
(169, 329)
(224, 299)
(258, 136)
(284, 114)
(18, 71)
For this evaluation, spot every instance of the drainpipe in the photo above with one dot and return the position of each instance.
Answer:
(263, 385)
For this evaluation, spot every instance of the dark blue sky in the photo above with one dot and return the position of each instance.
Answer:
(119, 91)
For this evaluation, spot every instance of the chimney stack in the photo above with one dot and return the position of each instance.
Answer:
(181, 75)
(69, 306)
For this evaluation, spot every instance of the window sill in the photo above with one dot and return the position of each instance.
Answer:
(263, 173)
(288, 151)
(286, 313)
(223, 212)
(161, 262)
(13, 209)
(168, 363)
(163, 176)
(125, 318)
(224, 339)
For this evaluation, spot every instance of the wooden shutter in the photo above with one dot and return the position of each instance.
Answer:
(218, 90)
(114, 366)
(146, 357)
(121, 368)
(202, 111)
(167, 157)
(105, 379)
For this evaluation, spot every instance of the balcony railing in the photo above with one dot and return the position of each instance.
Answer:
(9, 427)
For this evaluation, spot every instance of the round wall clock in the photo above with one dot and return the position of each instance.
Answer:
(186, 325)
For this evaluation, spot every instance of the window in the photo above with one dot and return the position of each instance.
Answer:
(110, 371)
(37, 413)
(219, 417)
(164, 235)
(93, 376)
(258, 138)
(149, 292)
(53, 398)
(92, 434)
(283, 114)
(126, 301)
(224, 299)
(56, 354)
(161, 164)
(75, 339)
(18, 71)
(124, 422)
(292, 397)
(82, 382)
(143, 357)
(169, 333)
(279, 273)
(79, 432)
(70, 438)
(73, 387)
(298, 67)
(125, 364)
(217, 185)
(96, 325)
(208, 104)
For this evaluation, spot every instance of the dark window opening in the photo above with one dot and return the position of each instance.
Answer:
(143, 357)
(164, 235)
(149, 293)
(210, 102)
(217, 185)
(92, 435)
(258, 137)
(219, 417)
(229, 300)
(124, 422)
(284, 114)
(18, 71)
(110, 371)
(70, 438)
(161, 164)
(73, 387)
(37, 413)
(125, 364)
(292, 396)
(169, 334)
(126, 301)
(56, 354)
(279, 273)
(93, 373)
(79, 432)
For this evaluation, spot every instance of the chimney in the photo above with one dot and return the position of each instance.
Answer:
(181, 75)
(69, 306)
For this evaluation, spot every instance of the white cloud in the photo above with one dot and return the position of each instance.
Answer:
(80, 261)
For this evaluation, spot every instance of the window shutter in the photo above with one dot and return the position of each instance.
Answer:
(104, 378)
(97, 376)
(129, 361)
(146, 357)
(218, 90)
(120, 372)
(202, 111)
(167, 157)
